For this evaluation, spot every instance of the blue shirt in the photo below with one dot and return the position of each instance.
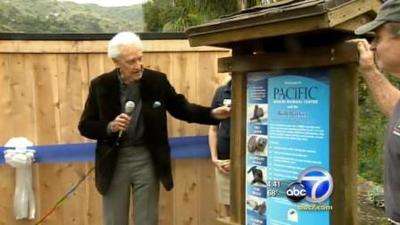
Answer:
(222, 97)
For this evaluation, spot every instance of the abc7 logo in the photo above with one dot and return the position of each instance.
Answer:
(314, 185)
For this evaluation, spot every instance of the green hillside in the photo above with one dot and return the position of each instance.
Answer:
(51, 16)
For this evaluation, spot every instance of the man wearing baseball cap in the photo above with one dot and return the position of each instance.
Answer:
(383, 56)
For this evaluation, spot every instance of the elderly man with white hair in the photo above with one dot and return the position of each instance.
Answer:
(132, 152)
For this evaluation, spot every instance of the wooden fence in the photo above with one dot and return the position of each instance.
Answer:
(43, 86)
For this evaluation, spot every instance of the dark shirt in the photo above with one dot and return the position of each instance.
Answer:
(133, 136)
(392, 166)
(222, 97)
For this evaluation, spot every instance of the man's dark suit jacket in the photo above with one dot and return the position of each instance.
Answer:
(158, 96)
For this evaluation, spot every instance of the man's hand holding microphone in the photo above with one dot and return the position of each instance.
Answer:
(122, 121)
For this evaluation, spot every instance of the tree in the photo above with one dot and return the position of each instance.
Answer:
(177, 15)
(371, 131)
(249, 3)
(51, 16)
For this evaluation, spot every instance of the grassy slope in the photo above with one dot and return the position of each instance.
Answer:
(51, 16)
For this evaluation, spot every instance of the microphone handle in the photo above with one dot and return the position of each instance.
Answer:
(118, 140)
(120, 134)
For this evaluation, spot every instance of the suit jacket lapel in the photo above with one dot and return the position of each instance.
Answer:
(112, 93)
(145, 86)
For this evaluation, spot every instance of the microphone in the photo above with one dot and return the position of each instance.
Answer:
(129, 107)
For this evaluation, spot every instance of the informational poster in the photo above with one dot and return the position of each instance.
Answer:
(257, 150)
(287, 157)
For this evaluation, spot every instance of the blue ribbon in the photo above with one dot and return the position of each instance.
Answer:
(181, 148)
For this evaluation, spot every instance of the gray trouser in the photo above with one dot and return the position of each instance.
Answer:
(134, 170)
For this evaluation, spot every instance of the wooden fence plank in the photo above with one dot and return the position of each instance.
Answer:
(93, 47)
(43, 88)
(187, 196)
(6, 103)
(208, 204)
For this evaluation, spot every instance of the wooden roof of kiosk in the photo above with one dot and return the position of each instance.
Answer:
(284, 18)
(286, 26)
(293, 34)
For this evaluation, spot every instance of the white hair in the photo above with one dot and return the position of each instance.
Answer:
(123, 38)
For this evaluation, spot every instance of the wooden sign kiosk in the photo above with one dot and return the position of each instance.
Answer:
(283, 44)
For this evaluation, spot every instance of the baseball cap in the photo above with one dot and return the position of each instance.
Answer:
(389, 12)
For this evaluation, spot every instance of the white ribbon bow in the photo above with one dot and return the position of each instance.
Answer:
(21, 159)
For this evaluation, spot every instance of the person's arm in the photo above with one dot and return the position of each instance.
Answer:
(90, 124)
(213, 136)
(222, 165)
(383, 92)
(179, 107)
(213, 142)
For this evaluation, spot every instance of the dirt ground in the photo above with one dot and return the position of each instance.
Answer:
(368, 214)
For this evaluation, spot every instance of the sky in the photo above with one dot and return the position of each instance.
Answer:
(108, 3)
